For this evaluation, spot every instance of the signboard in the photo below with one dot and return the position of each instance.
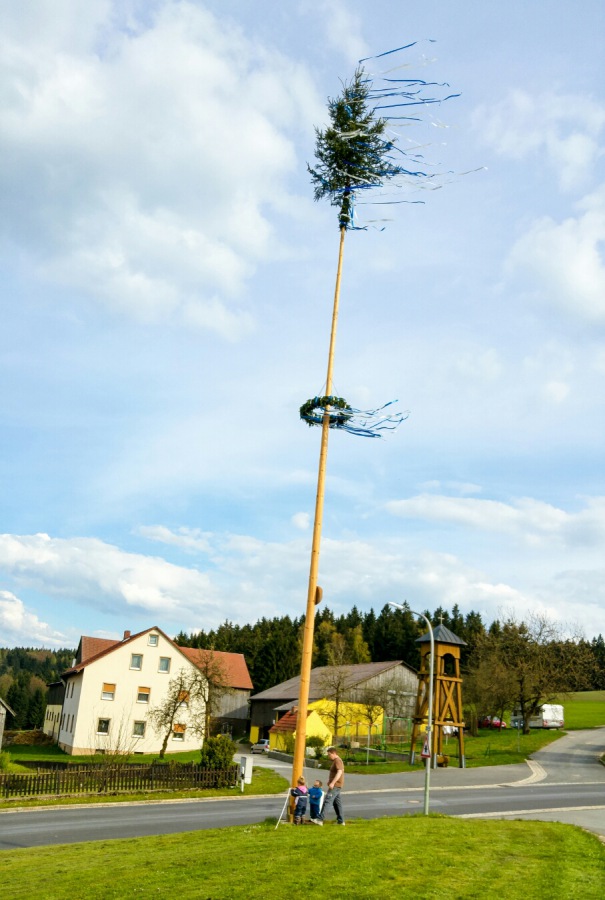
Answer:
(426, 752)
(246, 770)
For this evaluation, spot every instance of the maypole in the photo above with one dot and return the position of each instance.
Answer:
(313, 596)
(355, 154)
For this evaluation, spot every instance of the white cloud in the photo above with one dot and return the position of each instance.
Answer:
(565, 259)
(97, 574)
(459, 487)
(139, 162)
(563, 129)
(190, 539)
(341, 27)
(301, 520)
(249, 578)
(21, 628)
(525, 518)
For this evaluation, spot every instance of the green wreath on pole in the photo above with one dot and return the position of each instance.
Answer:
(312, 412)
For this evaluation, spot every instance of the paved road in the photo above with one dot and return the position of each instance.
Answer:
(563, 783)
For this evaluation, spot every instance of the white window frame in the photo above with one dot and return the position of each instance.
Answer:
(153, 640)
(103, 719)
(134, 656)
(108, 695)
(143, 692)
(165, 671)
(134, 729)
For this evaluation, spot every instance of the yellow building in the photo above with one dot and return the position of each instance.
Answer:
(351, 720)
(282, 734)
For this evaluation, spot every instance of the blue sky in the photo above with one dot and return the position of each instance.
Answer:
(166, 295)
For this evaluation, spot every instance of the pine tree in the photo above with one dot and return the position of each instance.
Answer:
(352, 153)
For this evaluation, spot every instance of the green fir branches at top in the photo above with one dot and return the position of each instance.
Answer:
(352, 152)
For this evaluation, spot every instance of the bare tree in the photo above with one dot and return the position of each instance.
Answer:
(214, 686)
(531, 663)
(186, 694)
(490, 688)
(118, 744)
(396, 703)
(371, 701)
(333, 685)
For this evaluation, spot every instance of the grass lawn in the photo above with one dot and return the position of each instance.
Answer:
(490, 748)
(404, 857)
(584, 710)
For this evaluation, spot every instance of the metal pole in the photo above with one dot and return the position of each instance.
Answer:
(429, 726)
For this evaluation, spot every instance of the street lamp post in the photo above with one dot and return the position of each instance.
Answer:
(429, 726)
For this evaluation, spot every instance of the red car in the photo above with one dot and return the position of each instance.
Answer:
(492, 722)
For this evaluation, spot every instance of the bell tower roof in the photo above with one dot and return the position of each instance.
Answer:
(442, 635)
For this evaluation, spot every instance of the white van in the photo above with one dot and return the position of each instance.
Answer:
(550, 715)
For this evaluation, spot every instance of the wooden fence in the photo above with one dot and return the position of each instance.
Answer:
(112, 779)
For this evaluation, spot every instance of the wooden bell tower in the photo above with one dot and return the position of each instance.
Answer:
(447, 692)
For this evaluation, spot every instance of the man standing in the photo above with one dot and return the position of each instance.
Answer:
(335, 783)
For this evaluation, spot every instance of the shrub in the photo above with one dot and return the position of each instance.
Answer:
(317, 743)
(217, 753)
(4, 761)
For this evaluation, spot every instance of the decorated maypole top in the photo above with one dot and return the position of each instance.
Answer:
(364, 148)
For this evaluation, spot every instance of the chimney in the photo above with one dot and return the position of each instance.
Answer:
(126, 635)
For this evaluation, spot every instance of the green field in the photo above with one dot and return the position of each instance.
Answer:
(395, 858)
(584, 710)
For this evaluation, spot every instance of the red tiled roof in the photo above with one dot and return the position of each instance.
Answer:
(103, 646)
(287, 723)
(91, 646)
(234, 664)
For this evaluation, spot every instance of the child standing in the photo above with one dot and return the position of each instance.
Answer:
(300, 793)
(316, 796)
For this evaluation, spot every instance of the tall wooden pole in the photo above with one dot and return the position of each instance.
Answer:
(307, 652)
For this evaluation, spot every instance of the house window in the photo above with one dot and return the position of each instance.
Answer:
(103, 726)
(108, 692)
(164, 664)
(153, 640)
(183, 696)
(136, 661)
(143, 695)
(138, 729)
(178, 732)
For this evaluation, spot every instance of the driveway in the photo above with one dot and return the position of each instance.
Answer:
(573, 760)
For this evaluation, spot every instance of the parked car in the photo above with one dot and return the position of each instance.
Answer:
(261, 746)
(492, 722)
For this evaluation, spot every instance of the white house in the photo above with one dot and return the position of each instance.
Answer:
(109, 691)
